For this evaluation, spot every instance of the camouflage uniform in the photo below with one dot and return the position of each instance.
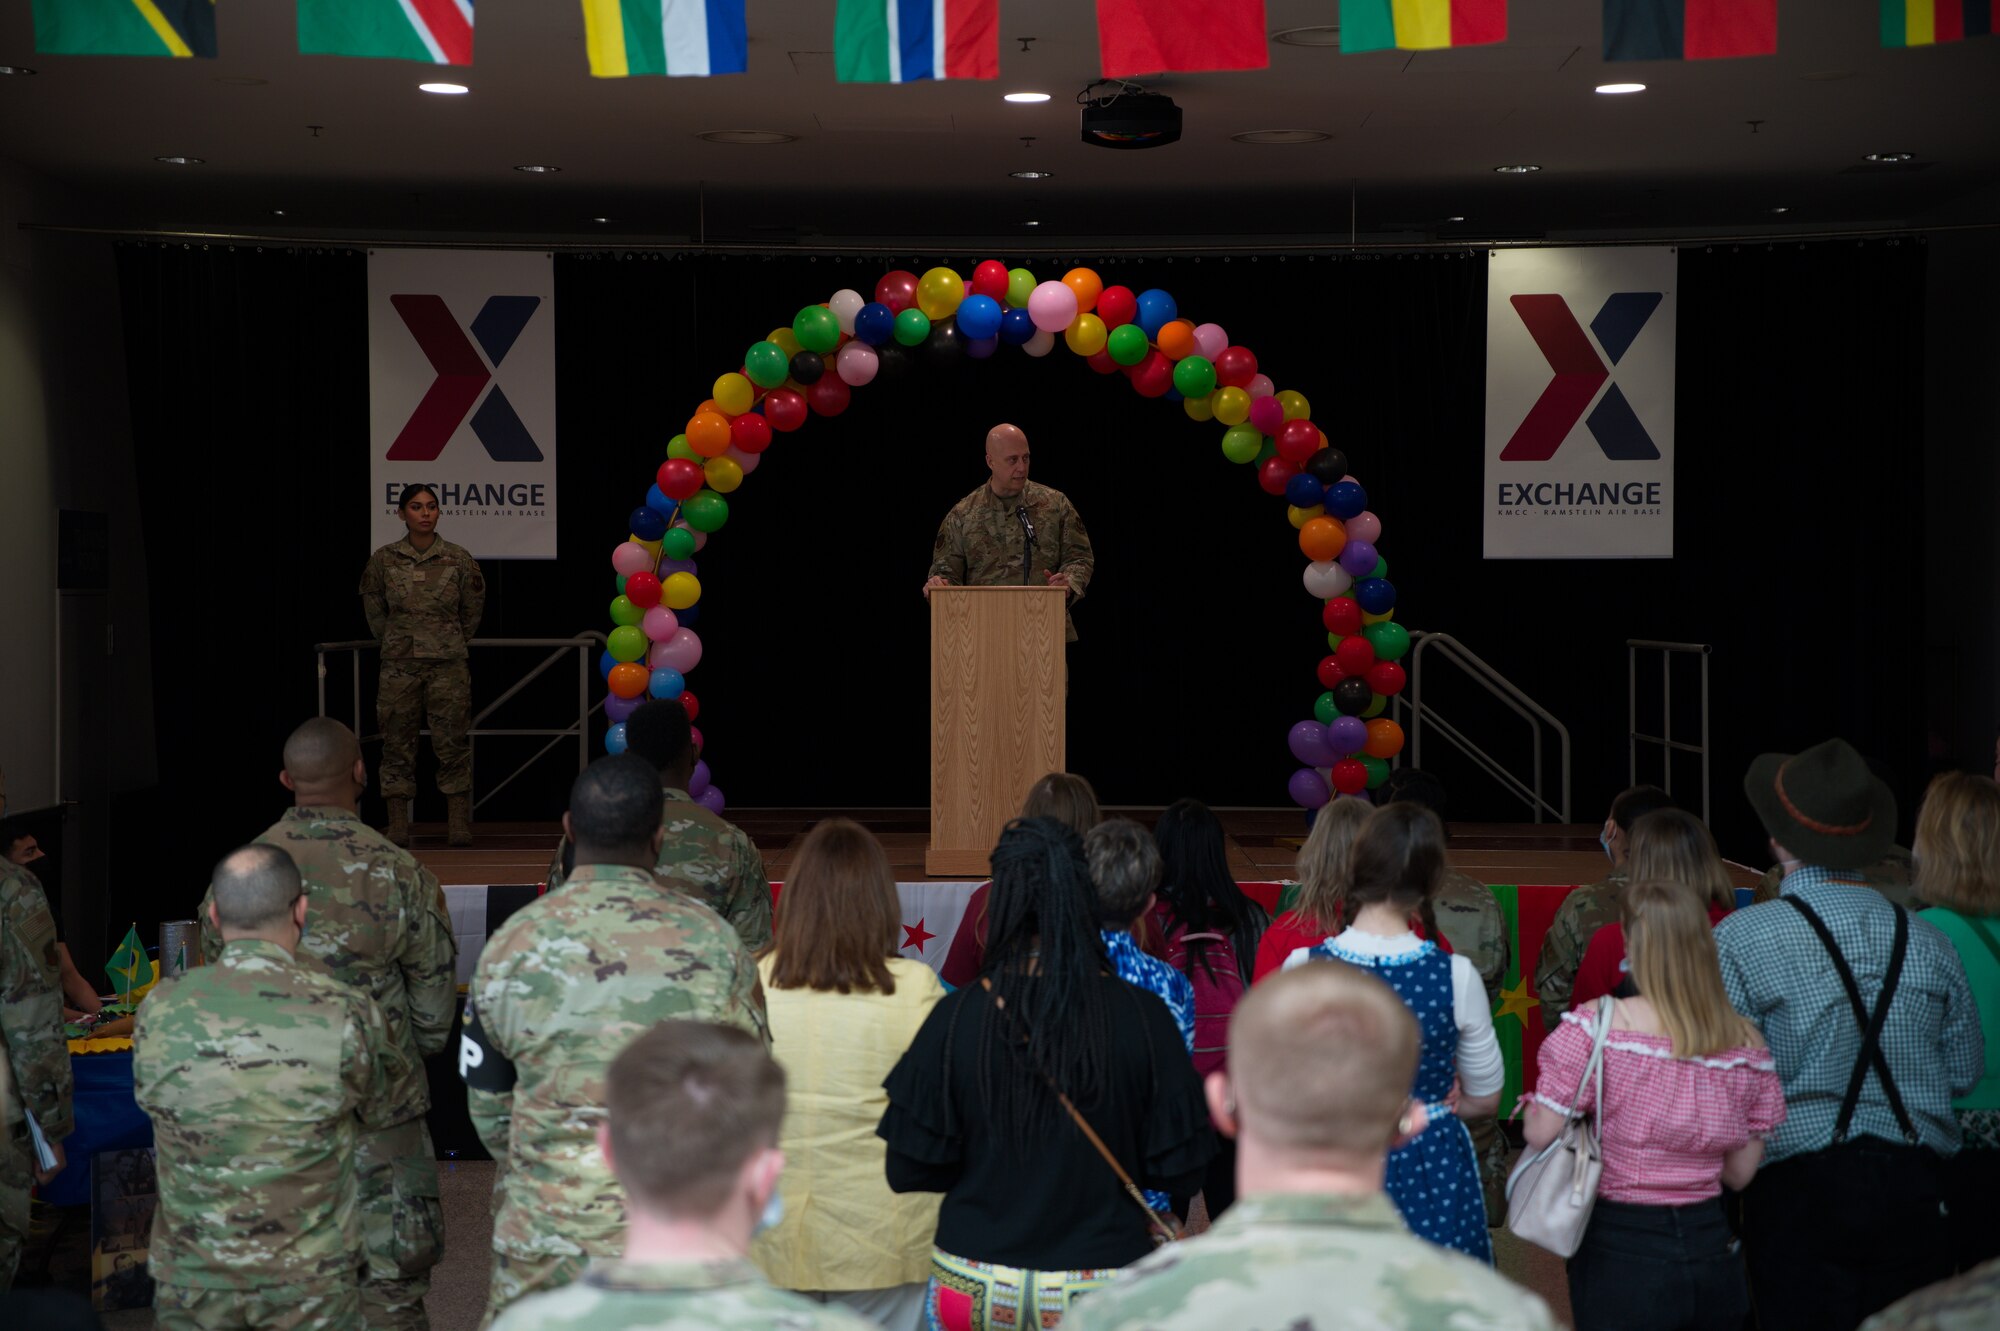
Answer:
(712, 860)
(1293, 1261)
(1581, 914)
(559, 990)
(31, 1040)
(260, 1073)
(423, 607)
(979, 543)
(1893, 876)
(1470, 920)
(1966, 1302)
(676, 1296)
(376, 921)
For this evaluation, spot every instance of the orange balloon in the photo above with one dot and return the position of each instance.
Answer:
(629, 679)
(1385, 738)
(1176, 339)
(708, 433)
(1323, 538)
(1087, 285)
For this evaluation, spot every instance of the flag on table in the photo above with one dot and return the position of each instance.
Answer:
(1420, 25)
(437, 32)
(127, 964)
(692, 38)
(1927, 22)
(1689, 29)
(901, 41)
(125, 27)
(1150, 36)
(932, 913)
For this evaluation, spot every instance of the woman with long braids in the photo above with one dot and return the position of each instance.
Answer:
(1033, 1216)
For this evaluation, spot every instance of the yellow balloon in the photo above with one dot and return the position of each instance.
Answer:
(1295, 405)
(653, 546)
(1086, 335)
(733, 393)
(786, 339)
(938, 293)
(1382, 618)
(1231, 405)
(680, 590)
(1198, 408)
(1299, 517)
(724, 474)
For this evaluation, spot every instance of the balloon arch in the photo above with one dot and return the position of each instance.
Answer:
(831, 349)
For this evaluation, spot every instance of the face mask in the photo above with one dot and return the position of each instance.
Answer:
(1605, 842)
(774, 1211)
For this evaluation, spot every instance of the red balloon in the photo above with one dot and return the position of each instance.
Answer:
(678, 478)
(1330, 672)
(1101, 362)
(750, 432)
(1355, 652)
(990, 279)
(897, 290)
(1276, 474)
(643, 590)
(829, 395)
(1153, 376)
(1236, 367)
(1298, 440)
(785, 409)
(692, 706)
(1350, 776)
(1385, 677)
(1342, 615)
(1117, 305)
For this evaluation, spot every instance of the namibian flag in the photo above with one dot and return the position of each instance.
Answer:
(901, 41)
(1149, 36)
(677, 37)
(125, 27)
(437, 32)
(1420, 25)
(1926, 22)
(1689, 29)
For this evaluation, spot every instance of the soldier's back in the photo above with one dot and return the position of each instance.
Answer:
(1470, 918)
(715, 862)
(709, 1296)
(1582, 913)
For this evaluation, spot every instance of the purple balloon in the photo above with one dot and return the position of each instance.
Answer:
(698, 782)
(616, 709)
(711, 799)
(687, 566)
(1358, 558)
(1308, 788)
(1308, 741)
(979, 348)
(1346, 735)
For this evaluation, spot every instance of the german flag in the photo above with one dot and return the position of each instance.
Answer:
(1689, 29)
(1929, 22)
(181, 28)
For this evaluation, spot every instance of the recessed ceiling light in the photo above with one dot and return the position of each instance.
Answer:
(1031, 175)
(539, 170)
(15, 69)
(1613, 89)
(1520, 169)
(447, 89)
(277, 212)
(600, 219)
(747, 137)
(1892, 157)
(181, 161)
(1025, 97)
(1781, 210)
(1323, 34)
(1282, 136)
(1454, 219)
(1031, 224)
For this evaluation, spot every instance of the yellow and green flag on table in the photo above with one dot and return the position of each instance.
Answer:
(129, 968)
(1928, 22)
(125, 27)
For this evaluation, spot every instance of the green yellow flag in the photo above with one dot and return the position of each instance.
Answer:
(125, 27)
(128, 966)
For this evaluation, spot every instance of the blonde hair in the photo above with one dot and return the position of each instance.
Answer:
(1671, 948)
(1321, 1058)
(1958, 844)
(1326, 864)
(1673, 846)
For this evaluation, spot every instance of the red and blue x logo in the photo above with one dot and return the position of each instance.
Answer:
(462, 376)
(1579, 373)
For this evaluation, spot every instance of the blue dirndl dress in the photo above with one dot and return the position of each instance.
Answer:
(1433, 1179)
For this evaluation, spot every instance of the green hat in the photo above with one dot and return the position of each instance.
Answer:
(1823, 805)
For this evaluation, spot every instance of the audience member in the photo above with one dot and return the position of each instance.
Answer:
(1690, 1093)
(1434, 1177)
(1320, 1064)
(691, 1136)
(980, 1107)
(31, 1031)
(561, 987)
(1324, 868)
(259, 1073)
(1848, 1212)
(1668, 846)
(702, 853)
(380, 927)
(844, 1008)
(1963, 1303)
(1893, 875)
(1958, 867)
(1063, 796)
(1588, 909)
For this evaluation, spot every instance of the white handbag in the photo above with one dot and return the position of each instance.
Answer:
(1550, 1193)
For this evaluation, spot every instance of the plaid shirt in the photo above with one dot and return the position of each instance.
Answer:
(1780, 977)
(1175, 990)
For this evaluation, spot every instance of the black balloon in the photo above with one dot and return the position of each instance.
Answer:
(1327, 466)
(1353, 696)
(892, 361)
(808, 367)
(946, 345)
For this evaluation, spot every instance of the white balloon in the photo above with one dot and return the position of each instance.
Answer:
(1040, 344)
(845, 305)
(857, 364)
(1325, 578)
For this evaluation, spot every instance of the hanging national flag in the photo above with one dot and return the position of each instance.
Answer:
(1689, 29)
(1152, 36)
(1927, 22)
(901, 41)
(1518, 1016)
(437, 32)
(1420, 25)
(125, 27)
(127, 965)
(676, 37)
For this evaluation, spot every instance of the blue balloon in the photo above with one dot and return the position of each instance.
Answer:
(686, 618)
(667, 682)
(1016, 327)
(1304, 490)
(1376, 595)
(979, 317)
(1156, 311)
(875, 323)
(1346, 500)
(614, 739)
(660, 504)
(647, 524)
(605, 660)
(1173, 395)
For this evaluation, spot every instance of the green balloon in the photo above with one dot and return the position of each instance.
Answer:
(679, 447)
(624, 612)
(621, 584)
(912, 326)
(1390, 640)
(705, 510)
(767, 364)
(817, 328)
(1324, 711)
(1381, 569)
(625, 643)
(1020, 285)
(1378, 769)
(1241, 442)
(1195, 376)
(1128, 344)
(678, 543)
(1375, 708)
(1268, 449)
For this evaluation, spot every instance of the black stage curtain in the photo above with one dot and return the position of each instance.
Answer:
(1799, 463)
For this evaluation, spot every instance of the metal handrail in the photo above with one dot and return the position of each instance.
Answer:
(1665, 739)
(582, 645)
(1509, 695)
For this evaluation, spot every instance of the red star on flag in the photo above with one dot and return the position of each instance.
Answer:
(915, 936)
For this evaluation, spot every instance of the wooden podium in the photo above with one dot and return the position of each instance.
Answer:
(999, 682)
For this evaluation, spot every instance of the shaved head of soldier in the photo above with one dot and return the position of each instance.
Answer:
(323, 763)
(659, 732)
(1007, 458)
(614, 812)
(258, 894)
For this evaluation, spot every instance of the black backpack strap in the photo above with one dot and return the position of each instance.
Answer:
(1871, 1023)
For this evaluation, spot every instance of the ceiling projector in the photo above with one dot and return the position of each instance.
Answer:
(1132, 120)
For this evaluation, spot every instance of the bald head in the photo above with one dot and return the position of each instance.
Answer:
(255, 889)
(321, 751)
(1007, 458)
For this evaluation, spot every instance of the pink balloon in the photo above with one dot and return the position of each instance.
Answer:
(659, 625)
(1052, 306)
(1260, 385)
(857, 364)
(1267, 414)
(700, 539)
(694, 737)
(682, 651)
(747, 461)
(1364, 527)
(1209, 340)
(630, 558)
